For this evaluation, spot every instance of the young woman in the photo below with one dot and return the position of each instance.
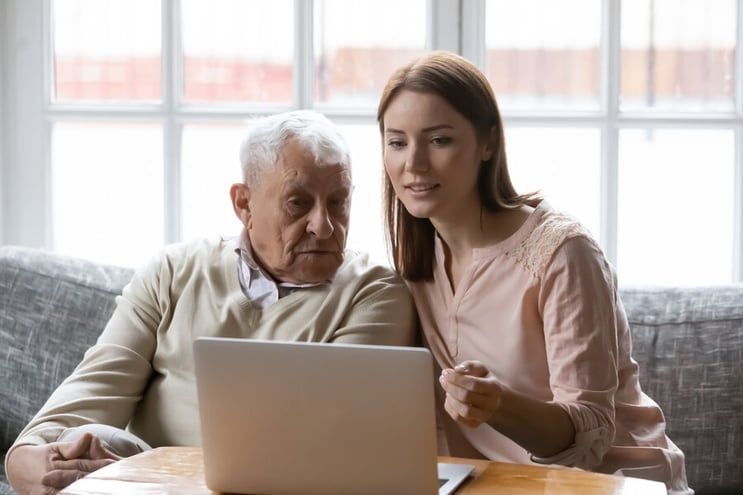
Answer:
(516, 301)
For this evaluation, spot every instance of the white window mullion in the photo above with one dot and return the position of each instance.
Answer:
(444, 21)
(48, 83)
(171, 78)
(304, 61)
(172, 131)
(26, 142)
(472, 35)
(610, 78)
(739, 61)
(609, 196)
(3, 114)
(738, 201)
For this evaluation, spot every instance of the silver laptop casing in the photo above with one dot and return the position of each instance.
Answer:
(308, 418)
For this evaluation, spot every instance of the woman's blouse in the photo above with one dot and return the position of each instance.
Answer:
(541, 310)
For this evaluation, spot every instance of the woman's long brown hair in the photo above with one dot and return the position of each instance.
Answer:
(410, 240)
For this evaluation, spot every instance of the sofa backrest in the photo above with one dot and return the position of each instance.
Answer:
(52, 309)
(689, 345)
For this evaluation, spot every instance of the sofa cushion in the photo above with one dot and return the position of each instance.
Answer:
(689, 345)
(52, 309)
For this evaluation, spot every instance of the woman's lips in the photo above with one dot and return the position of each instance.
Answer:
(420, 188)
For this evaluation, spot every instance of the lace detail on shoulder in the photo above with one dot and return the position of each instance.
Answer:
(535, 251)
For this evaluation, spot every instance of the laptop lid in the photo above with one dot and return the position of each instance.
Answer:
(310, 418)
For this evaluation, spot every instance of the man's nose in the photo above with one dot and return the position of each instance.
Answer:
(417, 159)
(319, 223)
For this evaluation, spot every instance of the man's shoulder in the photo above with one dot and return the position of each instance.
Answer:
(359, 265)
(199, 246)
(202, 251)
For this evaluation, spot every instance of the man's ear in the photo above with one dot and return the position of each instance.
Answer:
(240, 195)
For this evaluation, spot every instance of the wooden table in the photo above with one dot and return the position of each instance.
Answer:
(180, 471)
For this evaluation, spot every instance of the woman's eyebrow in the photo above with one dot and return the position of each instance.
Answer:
(436, 127)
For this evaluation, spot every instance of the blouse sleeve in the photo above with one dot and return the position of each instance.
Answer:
(578, 303)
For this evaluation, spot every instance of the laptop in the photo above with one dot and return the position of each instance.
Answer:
(309, 418)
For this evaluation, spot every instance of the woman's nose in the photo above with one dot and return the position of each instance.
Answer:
(417, 159)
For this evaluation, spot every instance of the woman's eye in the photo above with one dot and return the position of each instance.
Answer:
(395, 144)
(441, 140)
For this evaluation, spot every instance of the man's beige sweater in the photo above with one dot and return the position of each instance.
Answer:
(140, 373)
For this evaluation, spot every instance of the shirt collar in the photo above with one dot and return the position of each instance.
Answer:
(245, 251)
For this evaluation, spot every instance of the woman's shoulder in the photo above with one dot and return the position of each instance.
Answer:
(555, 227)
(551, 230)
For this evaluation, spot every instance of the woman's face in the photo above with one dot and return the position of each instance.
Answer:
(432, 156)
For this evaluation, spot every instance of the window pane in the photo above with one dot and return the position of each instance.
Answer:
(238, 50)
(675, 207)
(563, 166)
(678, 55)
(366, 232)
(107, 189)
(106, 50)
(358, 44)
(210, 165)
(541, 55)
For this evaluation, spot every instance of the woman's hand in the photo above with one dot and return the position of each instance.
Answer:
(473, 394)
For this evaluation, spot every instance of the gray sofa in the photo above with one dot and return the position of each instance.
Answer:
(689, 343)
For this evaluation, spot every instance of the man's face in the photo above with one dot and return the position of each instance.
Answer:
(298, 217)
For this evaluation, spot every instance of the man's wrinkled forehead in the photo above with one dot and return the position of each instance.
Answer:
(317, 175)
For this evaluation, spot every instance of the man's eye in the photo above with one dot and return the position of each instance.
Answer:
(339, 203)
(297, 203)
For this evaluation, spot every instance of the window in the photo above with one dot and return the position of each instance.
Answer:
(636, 109)
(121, 119)
(147, 101)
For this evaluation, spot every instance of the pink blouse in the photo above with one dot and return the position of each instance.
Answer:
(542, 312)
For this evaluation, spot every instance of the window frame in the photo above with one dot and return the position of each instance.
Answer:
(27, 112)
(29, 58)
(3, 113)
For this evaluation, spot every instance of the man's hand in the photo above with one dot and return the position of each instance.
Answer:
(473, 394)
(46, 469)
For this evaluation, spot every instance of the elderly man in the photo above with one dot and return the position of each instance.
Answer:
(287, 277)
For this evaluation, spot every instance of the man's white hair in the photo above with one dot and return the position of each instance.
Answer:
(268, 135)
